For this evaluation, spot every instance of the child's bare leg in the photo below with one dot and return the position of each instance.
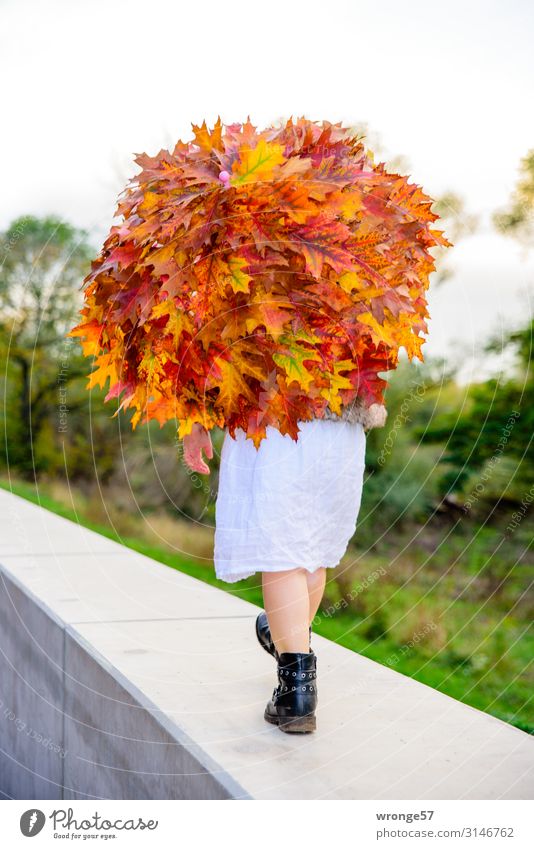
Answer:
(287, 604)
(316, 583)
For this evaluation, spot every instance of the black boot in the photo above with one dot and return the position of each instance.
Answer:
(294, 700)
(263, 634)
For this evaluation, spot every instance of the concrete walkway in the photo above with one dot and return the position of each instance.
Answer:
(122, 678)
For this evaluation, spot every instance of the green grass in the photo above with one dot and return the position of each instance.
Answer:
(477, 652)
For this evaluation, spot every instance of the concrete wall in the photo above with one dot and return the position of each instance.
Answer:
(72, 728)
(32, 643)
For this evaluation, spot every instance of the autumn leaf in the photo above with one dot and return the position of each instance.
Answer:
(91, 333)
(162, 260)
(379, 332)
(178, 321)
(321, 241)
(257, 163)
(232, 384)
(337, 382)
(271, 311)
(291, 359)
(208, 140)
(235, 276)
(106, 369)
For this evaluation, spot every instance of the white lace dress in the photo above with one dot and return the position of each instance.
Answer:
(288, 504)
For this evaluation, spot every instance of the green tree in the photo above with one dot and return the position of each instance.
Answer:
(489, 452)
(42, 264)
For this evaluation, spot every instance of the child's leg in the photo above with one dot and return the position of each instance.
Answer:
(291, 599)
(287, 605)
(316, 583)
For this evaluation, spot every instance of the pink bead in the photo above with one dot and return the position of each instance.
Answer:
(224, 176)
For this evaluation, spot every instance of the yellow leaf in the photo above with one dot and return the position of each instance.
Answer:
(178, 320)
(150, 201)
(257, 164)
(271, 310)
(337, 382)
(92, 332)
(232, 385)
(186, 426)
(151, 366)
(232, 273)
(369, 293)
(105, 368)
(161, 259)
(350, 204)
(380, 333)
(292, 361)
(350, 280)
(208, 140)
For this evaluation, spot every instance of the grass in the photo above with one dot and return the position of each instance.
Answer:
(455, 619)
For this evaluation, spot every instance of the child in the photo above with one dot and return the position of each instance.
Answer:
(288, 510)
(237, 252)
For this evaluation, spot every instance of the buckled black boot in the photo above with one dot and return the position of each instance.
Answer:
(294, 700)
(263, 633)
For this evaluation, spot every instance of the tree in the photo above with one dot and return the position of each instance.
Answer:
(518, 219)
(42, 264)
(489, 452)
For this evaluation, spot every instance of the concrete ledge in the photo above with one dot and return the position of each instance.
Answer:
(122, 678)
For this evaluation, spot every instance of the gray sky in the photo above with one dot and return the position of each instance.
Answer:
(88, 84)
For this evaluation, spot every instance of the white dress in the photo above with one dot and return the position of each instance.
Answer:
(288, 504)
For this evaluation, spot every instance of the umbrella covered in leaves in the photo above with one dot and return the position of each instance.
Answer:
(256, 278)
